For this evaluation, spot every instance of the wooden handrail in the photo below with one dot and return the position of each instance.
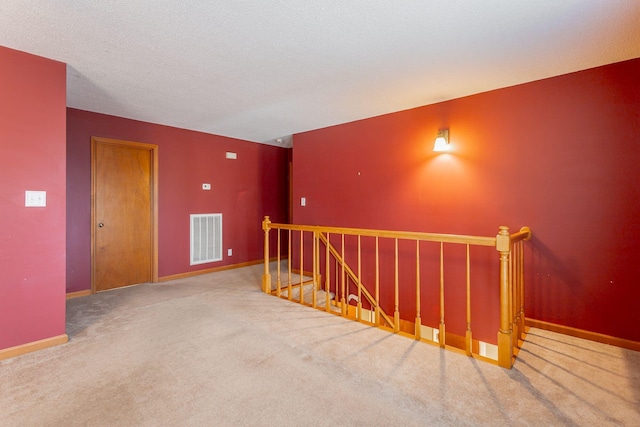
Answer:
(352, 275)
(511, 273)
(523, 234)
(405, 235)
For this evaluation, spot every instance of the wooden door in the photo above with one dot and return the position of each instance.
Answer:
(123, 213)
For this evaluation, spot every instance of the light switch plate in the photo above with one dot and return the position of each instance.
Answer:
(303, 201)
(206, 186)
(35, 198)
(231, 155)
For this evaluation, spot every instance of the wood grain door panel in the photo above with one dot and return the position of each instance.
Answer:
(122, 213)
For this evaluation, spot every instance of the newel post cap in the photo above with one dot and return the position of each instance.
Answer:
(503, 239)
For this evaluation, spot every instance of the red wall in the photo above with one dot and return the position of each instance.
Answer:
(560, 155)
(32, 157)
(243, 190)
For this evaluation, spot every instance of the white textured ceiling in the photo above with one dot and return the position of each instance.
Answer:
(259, 70)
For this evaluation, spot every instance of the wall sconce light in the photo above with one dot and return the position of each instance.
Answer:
(442, 141)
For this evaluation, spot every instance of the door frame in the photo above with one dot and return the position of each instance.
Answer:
(153, 149)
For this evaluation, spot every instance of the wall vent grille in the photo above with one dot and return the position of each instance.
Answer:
(206, 238)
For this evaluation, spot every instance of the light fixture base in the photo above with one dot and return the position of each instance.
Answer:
(442, 141)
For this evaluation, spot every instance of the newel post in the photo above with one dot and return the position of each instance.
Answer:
(266, 277)
(505, 347)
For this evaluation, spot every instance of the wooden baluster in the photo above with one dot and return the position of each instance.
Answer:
(418, 331)
(396, 312)
(314, 295)
(327, 286)
(521, 284)
(278, 283)
(359, 307)
(289, 285)
(441, 328)
(336, 297)
(468, 340)
(377, 307)
(512, 310)
(266, 276)
(301, 297)
(505, 347)
(515, 301)
(343, 301)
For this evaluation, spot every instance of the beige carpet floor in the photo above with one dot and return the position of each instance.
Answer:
(213, 350)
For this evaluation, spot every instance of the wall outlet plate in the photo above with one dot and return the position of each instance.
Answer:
(206, 186)
(35, 198)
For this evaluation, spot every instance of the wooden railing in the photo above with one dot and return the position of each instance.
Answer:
(332, 282)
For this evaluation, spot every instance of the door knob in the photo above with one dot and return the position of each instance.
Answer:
(100, 224)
